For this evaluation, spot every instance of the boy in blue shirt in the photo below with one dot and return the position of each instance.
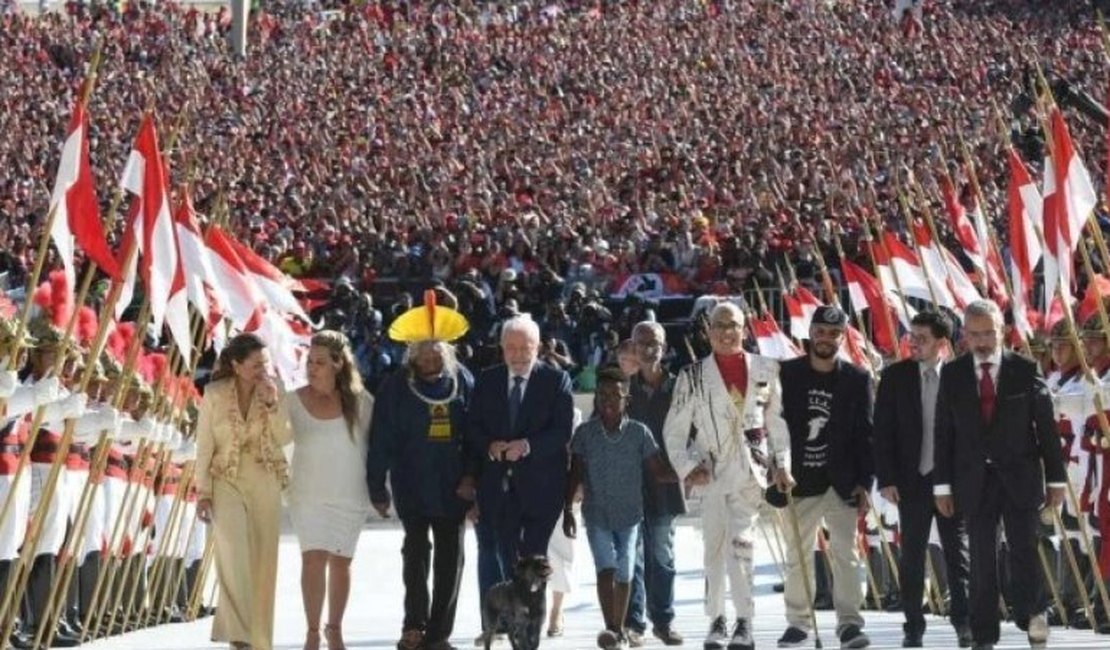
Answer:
(609, 455)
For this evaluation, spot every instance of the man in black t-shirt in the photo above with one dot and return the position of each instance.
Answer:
(827, 407)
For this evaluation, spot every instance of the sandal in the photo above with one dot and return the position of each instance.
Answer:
(334, 637)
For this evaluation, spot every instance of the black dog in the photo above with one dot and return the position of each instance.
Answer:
(517, 606)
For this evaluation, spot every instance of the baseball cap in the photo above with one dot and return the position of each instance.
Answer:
(830, 315)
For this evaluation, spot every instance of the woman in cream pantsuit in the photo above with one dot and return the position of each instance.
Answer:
(240, 472)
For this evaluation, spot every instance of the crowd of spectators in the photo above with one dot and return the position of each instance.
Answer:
(533, 155)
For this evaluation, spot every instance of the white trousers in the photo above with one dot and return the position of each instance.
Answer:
(728, 531)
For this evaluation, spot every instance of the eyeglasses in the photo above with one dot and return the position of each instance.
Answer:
(724, 326)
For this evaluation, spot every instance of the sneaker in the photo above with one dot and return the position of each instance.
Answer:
(1038, 630)
(853, 637)
(718, 635)
(793, 637)
(741, 636)
(667, 635)
(635, 638)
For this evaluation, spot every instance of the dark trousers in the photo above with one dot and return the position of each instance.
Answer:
(438, 621)
(38, 590)
(521, 534)
(653, 579)
(915, 514)
(490, 569)
(1021, 537)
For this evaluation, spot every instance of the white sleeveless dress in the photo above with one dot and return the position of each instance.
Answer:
(328, 497)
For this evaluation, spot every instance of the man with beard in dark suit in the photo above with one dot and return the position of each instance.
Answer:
(996, 447)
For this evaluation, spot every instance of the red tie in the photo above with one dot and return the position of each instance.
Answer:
(986, 393)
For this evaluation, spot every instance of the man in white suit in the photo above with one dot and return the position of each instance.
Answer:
(725, 431)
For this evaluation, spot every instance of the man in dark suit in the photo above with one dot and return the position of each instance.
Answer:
(520, 421)
(996, 446)
(905, 410)
(826, 402)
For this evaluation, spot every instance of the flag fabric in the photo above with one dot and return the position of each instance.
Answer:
(964, 291)
(933, 266)
(1069, 199)
(965, 233)
(801, 305)
(858, 350)
(1025, 206)
(204, 292)
(245, 303)
(76, 210)
(996, 283)
(865, 293)
(145, 177)
(274, 285)
(177, 313)
(901, 265)
(771, 340)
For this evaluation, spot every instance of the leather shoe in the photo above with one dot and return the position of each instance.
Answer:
(913, 640)
(963, 636)
(65, 641)
(20, 640)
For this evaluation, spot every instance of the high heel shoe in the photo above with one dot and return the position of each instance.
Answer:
(312, 639)
(334, 637)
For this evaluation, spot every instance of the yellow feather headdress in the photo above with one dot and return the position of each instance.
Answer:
(428, 322)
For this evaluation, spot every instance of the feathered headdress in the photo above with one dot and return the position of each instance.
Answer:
(428, 322)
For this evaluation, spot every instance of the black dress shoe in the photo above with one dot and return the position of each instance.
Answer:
(65, 641)
(963, 636)
(20, 640)
(913, 640)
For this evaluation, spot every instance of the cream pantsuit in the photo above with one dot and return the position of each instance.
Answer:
(241, 467)
(246, 525)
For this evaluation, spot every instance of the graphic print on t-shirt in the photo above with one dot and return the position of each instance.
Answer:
(815, 451)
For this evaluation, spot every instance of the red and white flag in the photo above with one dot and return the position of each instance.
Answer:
(1069, 199)
(76, 211)
(1025, 205)
(966, 234)
(277, 287)
(145, 177)
(206, 294)
(771, 340)
(865, 293)
(245, 303)
(800, 306)
(933, 266)
(901, 270)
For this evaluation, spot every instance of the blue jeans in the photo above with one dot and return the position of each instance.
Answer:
(653, 581)
(613, 550)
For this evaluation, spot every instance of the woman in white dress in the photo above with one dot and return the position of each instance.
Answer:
(328, 497)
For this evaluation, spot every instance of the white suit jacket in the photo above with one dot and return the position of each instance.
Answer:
(724, 439)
